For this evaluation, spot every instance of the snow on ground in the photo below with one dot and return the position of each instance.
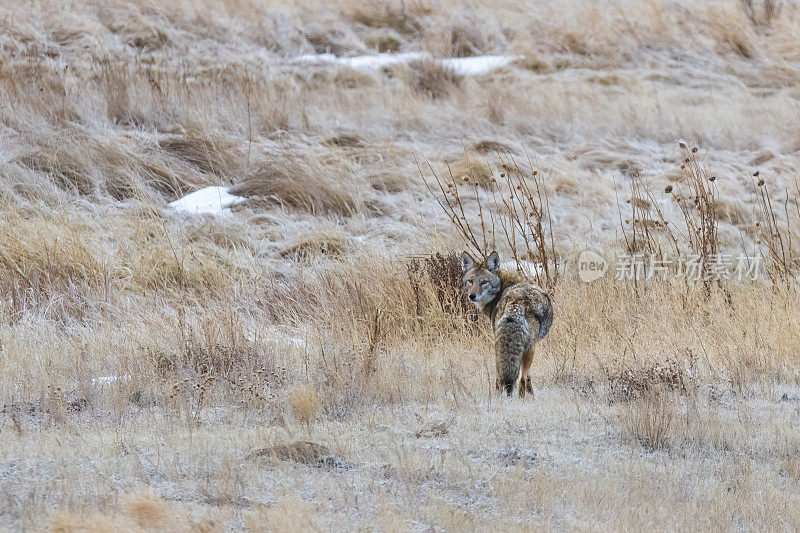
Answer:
(370, 62)
(211, 200)
(107, 380)
(464, 66)
(477, 65)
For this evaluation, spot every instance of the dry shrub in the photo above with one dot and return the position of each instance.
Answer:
(308, 246)
(119, 165)
(761, 157)
(418, 297)
(790, 467)
(486, 146)
(51, 265)
(626, 384)
(67, 169)
(763, 15)
(731, 212)
(332, 40)
(697, 197)
(389, 180)
(305, 404)
(644, 226)
(303, 452)
(96, 523)
(433, 79)
(398, 15)
(440, 275)
(147, 509)
(208, 152)
(775, 232)
(290, 513)
(217, 344)
(650, 419)
(345, 140)
(466, 40)
(473, 171)
(301, 181)
(384, 40)
(48, 250)
(350, 78)
(169, 265)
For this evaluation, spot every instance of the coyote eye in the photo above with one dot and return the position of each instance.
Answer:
(484, 283)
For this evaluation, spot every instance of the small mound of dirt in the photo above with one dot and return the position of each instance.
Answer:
(471, 171)
(761, 158)
(303, 452)
(486, 146)
(435, 429)
(307, 247)
(344, 140)
(433, 79)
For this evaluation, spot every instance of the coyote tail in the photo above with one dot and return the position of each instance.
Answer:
(545, 316)
(510, 343)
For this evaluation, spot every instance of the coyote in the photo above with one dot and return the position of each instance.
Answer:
(521, 314)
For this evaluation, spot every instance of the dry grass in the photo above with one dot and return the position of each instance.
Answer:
(305, 405)
(147, 359)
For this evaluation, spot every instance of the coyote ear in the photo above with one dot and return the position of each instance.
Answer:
(467, 262)
(493, 261)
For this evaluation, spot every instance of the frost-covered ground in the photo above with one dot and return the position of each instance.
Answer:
(561, 461)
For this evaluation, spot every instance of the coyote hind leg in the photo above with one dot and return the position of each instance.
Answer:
(525, 384)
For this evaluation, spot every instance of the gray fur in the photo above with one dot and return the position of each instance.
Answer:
(521, 314)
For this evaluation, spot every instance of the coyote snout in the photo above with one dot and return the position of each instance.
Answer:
(521, 314)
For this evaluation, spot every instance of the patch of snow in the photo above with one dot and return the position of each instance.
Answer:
(477, 65)
(463, 66)
(211, 200)
(528, 268)
(106, 380)
(369, 62)
(288, 336)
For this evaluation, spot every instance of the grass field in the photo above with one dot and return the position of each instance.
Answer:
(306, 361)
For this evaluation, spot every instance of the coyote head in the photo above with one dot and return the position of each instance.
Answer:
(481, 282)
